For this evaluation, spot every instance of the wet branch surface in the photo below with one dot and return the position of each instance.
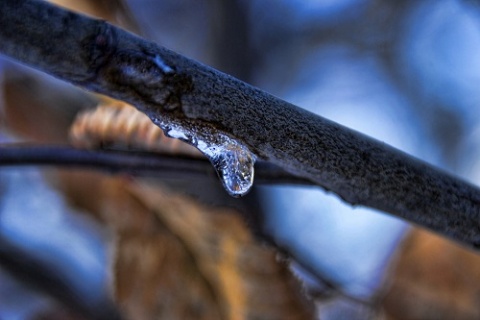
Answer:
(173, 89)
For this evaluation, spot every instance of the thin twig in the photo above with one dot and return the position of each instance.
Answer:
(154, 165)
(136, 163)
(172, 89)
(41, 276)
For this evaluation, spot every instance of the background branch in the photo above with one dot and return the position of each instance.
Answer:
(138, 163)
(40, 275)
(175, 90)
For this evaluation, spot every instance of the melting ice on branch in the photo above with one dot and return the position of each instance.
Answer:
(232, 160)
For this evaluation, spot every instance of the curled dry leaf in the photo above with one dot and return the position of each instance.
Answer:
(178, 259)
(433, 278)
(117, 123)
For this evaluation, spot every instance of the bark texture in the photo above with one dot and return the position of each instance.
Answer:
(171, 88)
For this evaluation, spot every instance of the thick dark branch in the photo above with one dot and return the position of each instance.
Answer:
(137, 163)
(173, 89)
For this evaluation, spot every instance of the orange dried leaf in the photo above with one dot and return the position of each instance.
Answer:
(433, 278)
(117, 123)
(178, 259)
(246, 276)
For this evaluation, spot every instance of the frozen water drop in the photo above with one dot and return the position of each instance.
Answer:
(232, 160)
(235, 166)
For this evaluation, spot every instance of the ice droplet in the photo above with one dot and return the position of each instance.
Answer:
(232, 160)
(234, 165)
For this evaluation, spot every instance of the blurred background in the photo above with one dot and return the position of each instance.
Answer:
(403, 72)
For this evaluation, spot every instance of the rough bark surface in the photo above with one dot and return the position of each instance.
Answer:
(167, 86)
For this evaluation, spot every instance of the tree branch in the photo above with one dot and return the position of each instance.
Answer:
(40, 275)
(137, 163)
(172, 89)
